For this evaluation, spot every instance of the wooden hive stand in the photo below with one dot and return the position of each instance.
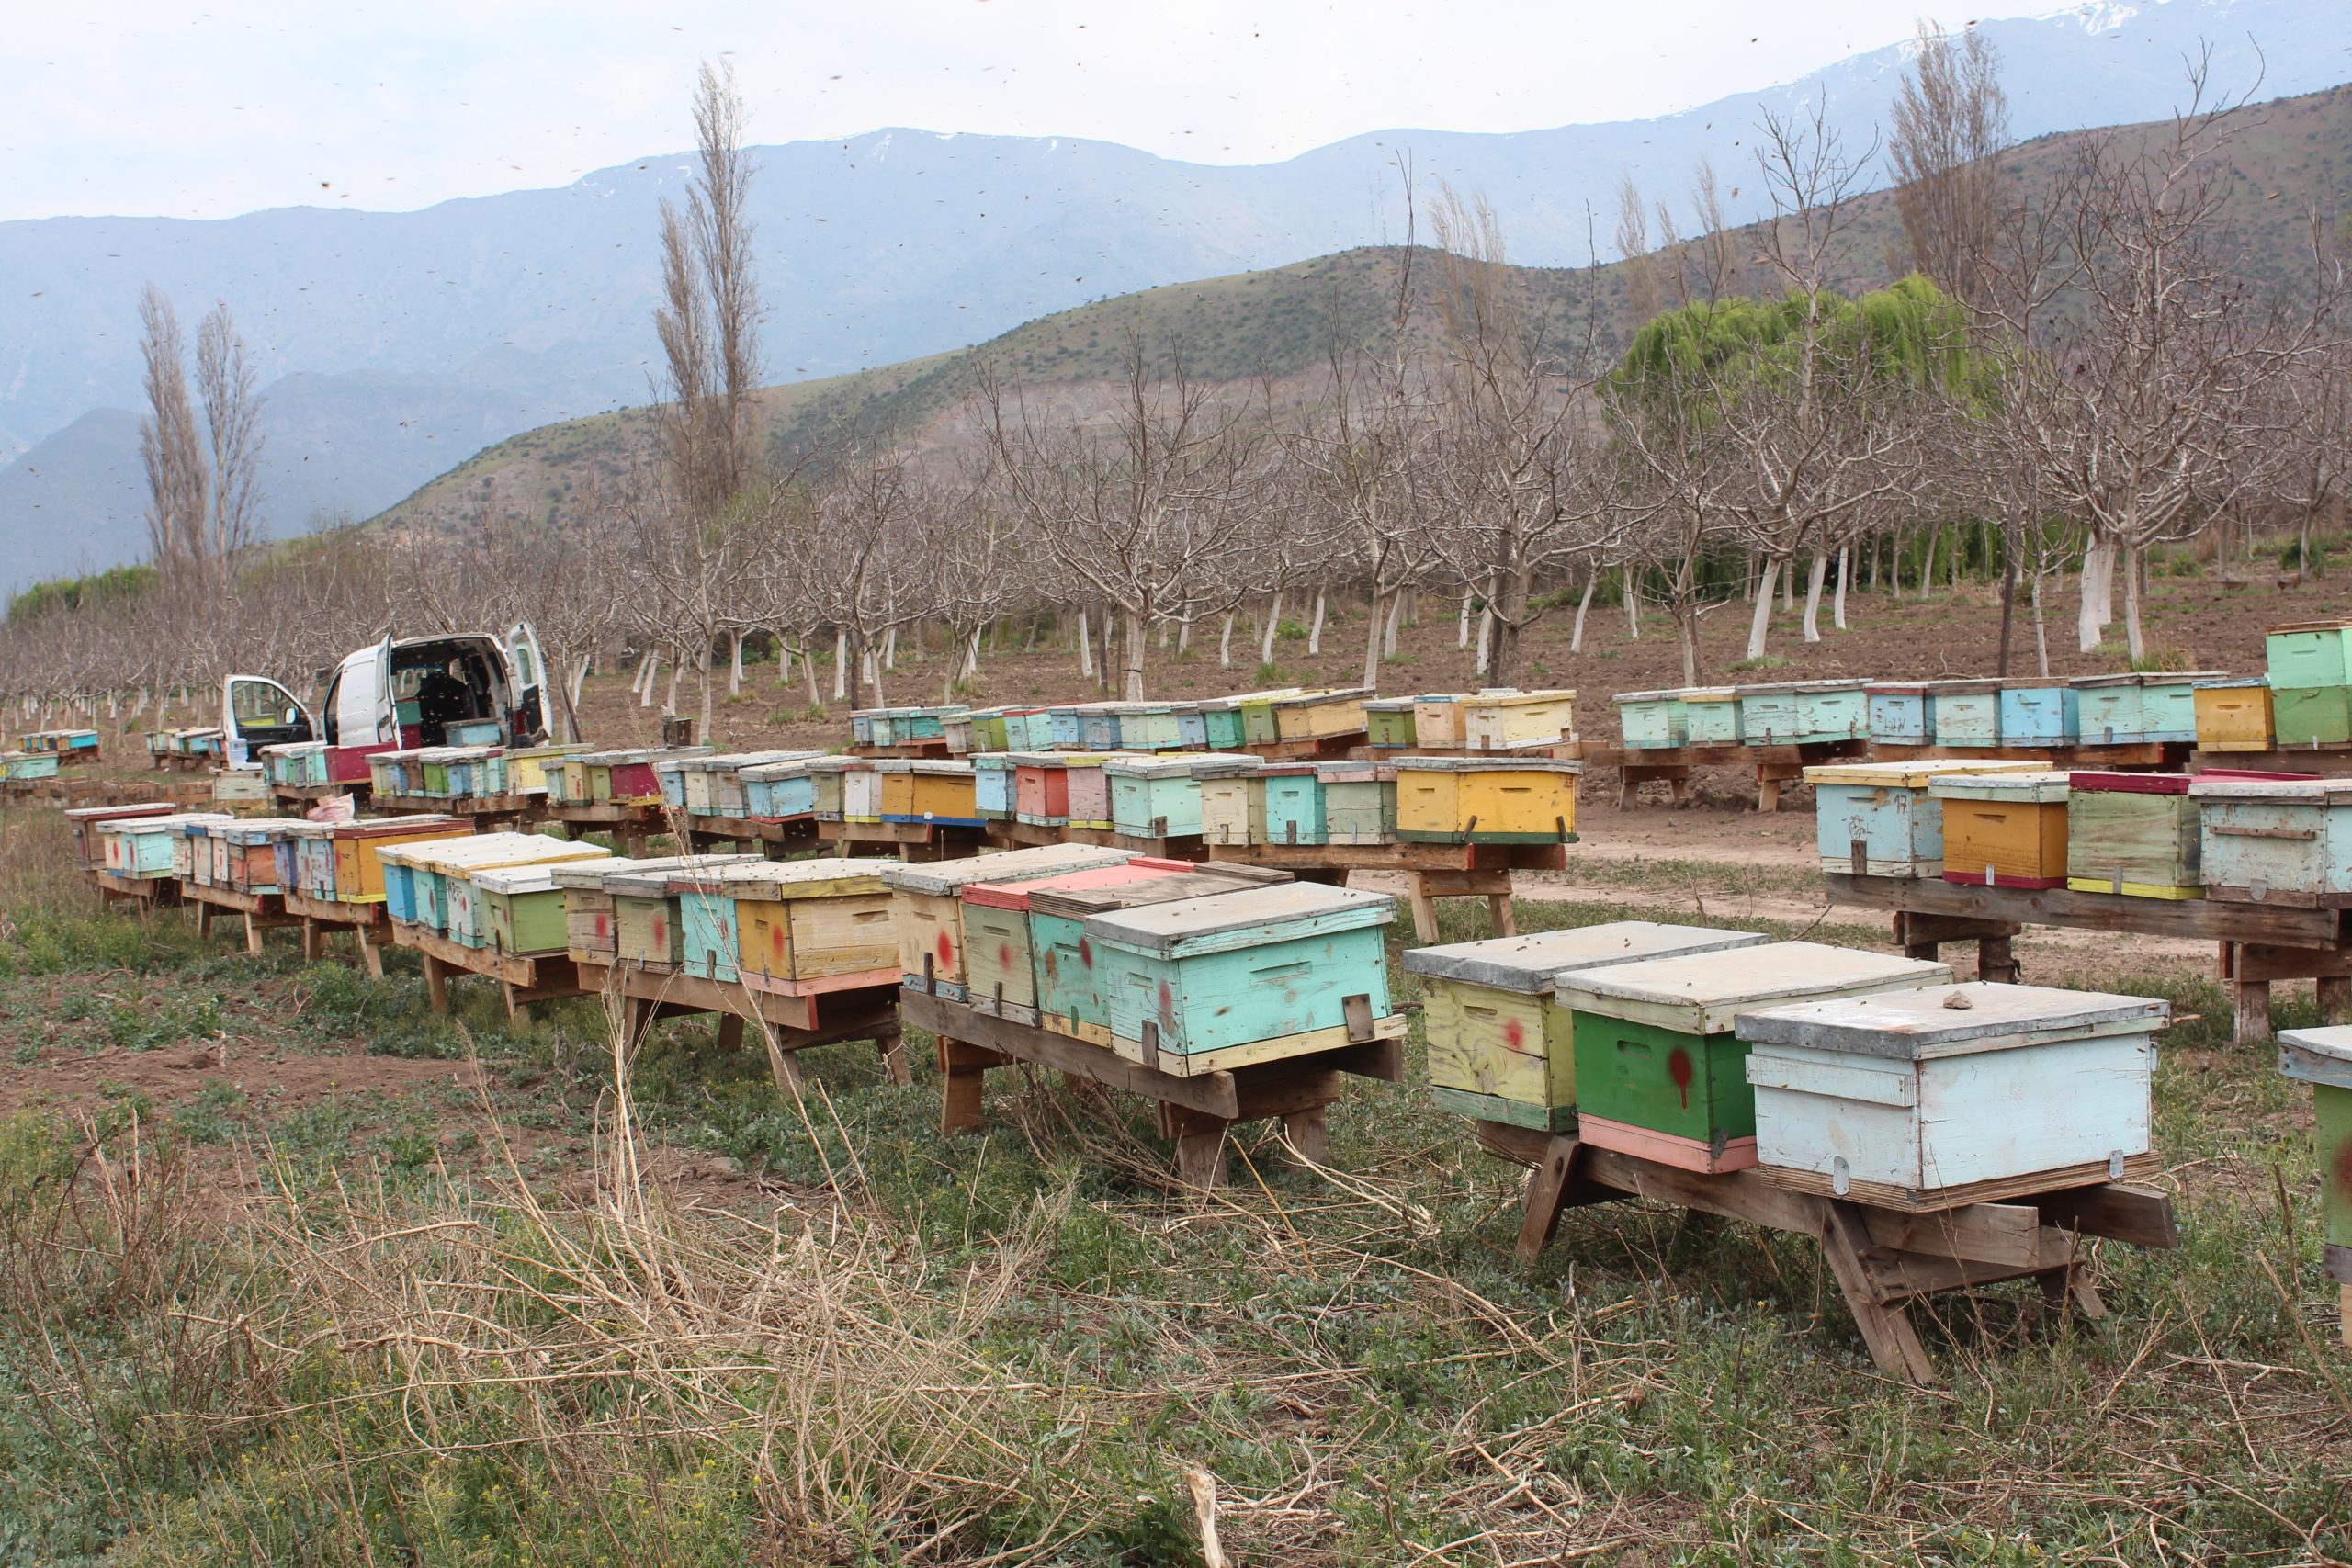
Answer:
(2257, 943)
(320, 918)
(260, 911)
(631, 824)
(1885, 1256)
(788, 1023)
(912, 842)
(1196, 1112)
(1436, 871)
(523, 980)
(775, 836)
(1774, 766)
(145, 894)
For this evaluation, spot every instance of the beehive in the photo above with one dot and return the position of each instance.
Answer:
(992, 775)
(1070, 996)
(1065, 728)
(1501, 1047)
(306, 863)
(927, 910)
(786, 925)
(2308, 655)
(359, 846)
(1388, 722)
(1159, 797)
(1803, 713)
(1198, 985)
(25, 766)
(591, 927)
(1711, 714)
(1041, 788)
(434, 863)
(670, 774)
(2168, 703)
(1437, 720)
(1151, 727)
(1898, 712)
(778, 792)
(1928, 1090)
(528, 767)
(1260, 724)
(522, 908)
(2108, 710)
(1293, 797)
(2234, 716)
(2039, 713)
(1098, 726)
(1500, 721)
(2275, 841)
(1359, 802)
(1233, 802)
(251, 863)
(1321, 716)
(2322, 1058)
(1089, 791)
(1659, 1071)
(143, 848)
(862, 793)
(297, 762)
(2003, 830)
(2310, 715)
(1001, 959)
(647, 932)
(1965, 713)
(928, 790)
(2133, 834)
(731, 789)
(1653, 721)
(1192, 726)
(1026, 729)
(1878, 818)
(87, 824)
(860, 727)
(394, 771)
(1482, 800)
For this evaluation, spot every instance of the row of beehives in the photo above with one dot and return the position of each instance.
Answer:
(72, 743)
(330, 862)
(2227, 834)
(1717, 1050)
(23, 767)
(200, 741)
(1497, 719)
(2304, 700)
(2098, 710)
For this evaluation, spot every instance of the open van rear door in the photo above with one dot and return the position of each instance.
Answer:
(255, 711)
(528, 673)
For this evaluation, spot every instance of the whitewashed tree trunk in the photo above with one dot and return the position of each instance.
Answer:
(645, 696)
(1462, 632)
(1225, 644)
(1837, 600)
(1131, 641)
(1315, 632)
(1760, 622)
(1814, 579)
(734, 662)
(1789, 583)
(1486, 641)
(1576, 637)
(891, 648)
(1184, 633)
(2041, 631)
(1085, 643)
(1375, 621)
(841, 664)
(783, 657)
(1927, 565)
(2097, 610)
(669, 701)
(1399, 608)
(2133, 639)
(1632, 605)
(1273, 621)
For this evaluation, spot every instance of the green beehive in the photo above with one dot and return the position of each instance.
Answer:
(2311, 716)
(2310, 654)
(2322, 1058)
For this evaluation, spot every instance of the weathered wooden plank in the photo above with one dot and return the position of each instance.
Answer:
(2094, 911)
(1214, 1094)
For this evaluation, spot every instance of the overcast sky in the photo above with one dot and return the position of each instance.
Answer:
(140, 107)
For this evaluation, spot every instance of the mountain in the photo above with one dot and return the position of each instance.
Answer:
(387, 340)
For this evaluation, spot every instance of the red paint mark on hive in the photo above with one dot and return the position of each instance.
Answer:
(2344, 1167)
(775, 939)
(661, 932)
(1167, 1005)
(1514, 1034)
(1004, 955)
(1678, 1068)
(1086, 952)
(945, 949)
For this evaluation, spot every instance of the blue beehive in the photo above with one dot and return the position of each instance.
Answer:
(1898, 713)
(2039, 713)
(992, 774)
(1293, 804)
(1654, 721)
(2108, 710)
(1965, 713)
(1803, 713)
(2168, 702)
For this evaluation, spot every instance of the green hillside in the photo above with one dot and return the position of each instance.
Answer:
(2292, 159)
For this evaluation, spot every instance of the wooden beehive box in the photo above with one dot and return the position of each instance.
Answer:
(992, 775)
(1293, 798)
(358, 848)
(25, 766)
(2133, 834)
(1388, 722)
(1321, 716)
(1501, 1046)
(784, 922)
(527, 767)
(927, 908)
(731, 792)
(2108, 710)
(1950, 1089)
(590, 924)
(1233, 802)
(669, 775)
(988, 728)
(1001, 961)
(1041, 788)
(1898, 712)
(251, 864)
(1027, 729)
(434, 863)
(396, 772)
(1803, 713)
(1192, 726)
(522, 908)
(87, 822)
(957, 731)
(2234, 716)
(1070, 996)
(2168, 703)
(464, 893)
(860, 727)
(306, 860)
(1437, 719)
(2039, 713)
(1359, 802)
(2311, 716)
(861, 794)
(2310, 654)
(290, 763)
(1500, 721)
(150, 848)
(2003, 830)
(1260, 725)
(1965, 713)
(1878, 818)
(1199, 984)
(1065, 727)
(1098, 726)
(2275, 841)
(1089, 791)
(648, 932)
(827, 786)
(2322, 1058)
(1711, 714)
(928, 790)
(1653, 721)
(1659, 1071)
(1159, 797)
(1482, 800)
(1148, 727)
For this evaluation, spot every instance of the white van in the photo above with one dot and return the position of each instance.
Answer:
(423, 690)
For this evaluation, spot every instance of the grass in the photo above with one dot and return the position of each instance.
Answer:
(500, 1325)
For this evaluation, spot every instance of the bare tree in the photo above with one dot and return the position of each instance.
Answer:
(225, 384)
(169, 450)
(709, 314)
(1950, 130)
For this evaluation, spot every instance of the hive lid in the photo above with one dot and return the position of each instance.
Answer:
(481, 850)
(385, 827)
(945, 878)
(2317, 1055)
(1388, 705)
(592, 875)
(1246, 918)
(1775, 688)
(1666, 695)
(109, 813)
(1017, 894)
(928, 766)
(1529, 962)
(510, 880)
(1063, 896)
(1187, 764)
(799, 764)
(1230, 767)
(1524, 699)
(1711, 694)
(778, 881)
(292, 748)
(1702, 993)
(2310, 626)
(259, 829)
(1243, 699)
(1961, 687)
(1356, 772)
(2237, 680)
(2187, 677)
(1324, 699)
(2038, 787)
(2087, 682)
(176, 822)
(2294, 791)
(1911, 775)
(2035, 683)
(1488, 764)
(1951, 1021)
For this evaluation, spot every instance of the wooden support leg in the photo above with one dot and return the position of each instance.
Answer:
(2334, 999)
(1996, 960)
(1768, 792)
(309, 940)
(783, 1067)
(893, 1059)
(2344, 1314)
(1547, 1193)
(1309, 1133)
(731, 1032)
(516, 1011)
(203, 913)
(253, 935)
(964, 1069)
(1679, 790)
(2254, 1012)
(371, 953)
(437, 982)
(1424, 911)
(2061, 1286)
(1500, 915)
(1886, 1330)
(1200, 1148)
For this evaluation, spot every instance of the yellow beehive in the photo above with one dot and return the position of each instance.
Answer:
(1492, 721)
(2234, 716)
(927, 790)
(1317, 716)
(1486, 800)
(2004, 830)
